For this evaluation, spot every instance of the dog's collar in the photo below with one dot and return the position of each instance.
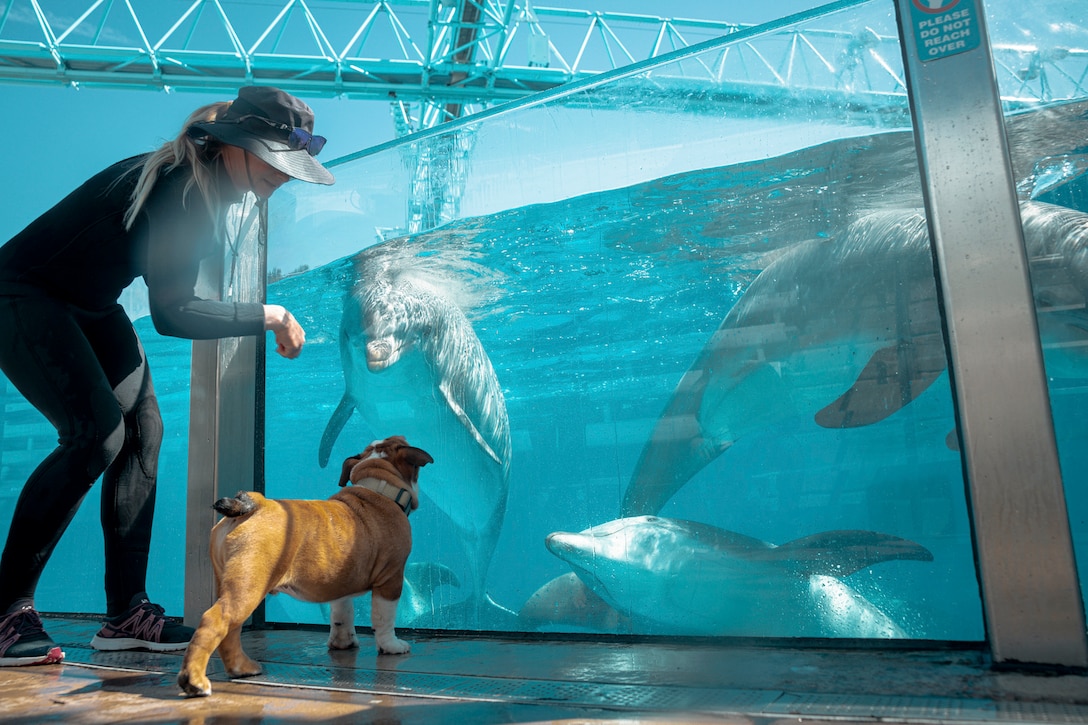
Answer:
(400, 496)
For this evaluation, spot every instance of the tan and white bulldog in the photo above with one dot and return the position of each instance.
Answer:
(316, 551)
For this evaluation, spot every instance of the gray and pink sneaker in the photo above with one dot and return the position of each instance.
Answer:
(142, 626)
(23, 640)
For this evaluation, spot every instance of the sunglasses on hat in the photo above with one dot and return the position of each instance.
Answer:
(298, 139)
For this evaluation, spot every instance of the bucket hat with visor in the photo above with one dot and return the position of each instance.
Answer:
(275, 127)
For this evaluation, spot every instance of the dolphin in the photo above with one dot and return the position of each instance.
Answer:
(692, 578)
(422, 582)
(846, 330)
(425, 603)
(413, 363)
(567, 601)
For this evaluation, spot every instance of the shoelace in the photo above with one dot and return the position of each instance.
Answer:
(141, 622)
(28, 620)
(17, 625)
(144, 606)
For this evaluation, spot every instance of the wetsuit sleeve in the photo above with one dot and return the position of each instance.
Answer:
(177, 239)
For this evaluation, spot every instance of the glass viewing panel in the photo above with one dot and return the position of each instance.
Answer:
(672, 339)
(1047, 58)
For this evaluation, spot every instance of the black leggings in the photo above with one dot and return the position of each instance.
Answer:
(87, 374)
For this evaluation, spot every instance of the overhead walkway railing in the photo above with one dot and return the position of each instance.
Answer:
(365, 49)
(464, 53)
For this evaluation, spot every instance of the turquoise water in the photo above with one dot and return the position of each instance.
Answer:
(590, 310)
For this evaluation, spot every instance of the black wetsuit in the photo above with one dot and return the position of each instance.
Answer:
(70, 349)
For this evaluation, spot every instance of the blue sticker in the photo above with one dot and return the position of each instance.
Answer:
(944, 27)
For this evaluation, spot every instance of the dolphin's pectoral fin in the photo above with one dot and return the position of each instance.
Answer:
(841, 553)
(893, 377)
(468, 423)
(336, 424)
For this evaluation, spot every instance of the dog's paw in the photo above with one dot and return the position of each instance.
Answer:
(198, 686)
(244, 668)
(393, 646)
(343, 640)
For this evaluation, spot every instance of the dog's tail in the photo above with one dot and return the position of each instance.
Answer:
(240, 505)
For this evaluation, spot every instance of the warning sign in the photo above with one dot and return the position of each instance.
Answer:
(944, 27)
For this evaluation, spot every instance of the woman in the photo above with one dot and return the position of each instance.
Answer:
(72, 352)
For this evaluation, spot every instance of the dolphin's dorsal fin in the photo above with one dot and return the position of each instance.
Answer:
(841, 553)
(893, 377)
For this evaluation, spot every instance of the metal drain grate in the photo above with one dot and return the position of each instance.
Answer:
(524, 691)
(1043, 712)
(927, 708)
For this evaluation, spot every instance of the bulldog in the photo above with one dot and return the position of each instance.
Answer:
(355, 542)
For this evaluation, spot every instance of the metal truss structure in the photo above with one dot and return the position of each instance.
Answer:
(445, 58)
(436, 60)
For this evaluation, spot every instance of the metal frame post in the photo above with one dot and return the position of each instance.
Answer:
(1031, 596)
(223, 410)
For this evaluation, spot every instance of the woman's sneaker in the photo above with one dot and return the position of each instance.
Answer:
(23, 640)
(143, 626)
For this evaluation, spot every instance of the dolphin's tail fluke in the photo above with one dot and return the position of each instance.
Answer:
(427, 576)
(336, 424)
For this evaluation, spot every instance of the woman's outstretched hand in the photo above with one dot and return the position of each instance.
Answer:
(289, 334)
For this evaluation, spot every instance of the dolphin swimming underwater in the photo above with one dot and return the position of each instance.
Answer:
(412, 362)
(846, 330)
(692, 578)
(422, 580)
(567, 601)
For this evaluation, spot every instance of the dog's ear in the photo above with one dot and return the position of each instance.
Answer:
(416, 456)
(345, 470)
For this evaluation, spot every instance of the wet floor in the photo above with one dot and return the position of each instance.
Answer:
(449, 679)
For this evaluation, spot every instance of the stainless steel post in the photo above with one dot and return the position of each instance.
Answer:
(222, 408)
(1031, 597)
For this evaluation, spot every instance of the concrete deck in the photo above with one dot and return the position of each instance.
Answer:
(454, 679)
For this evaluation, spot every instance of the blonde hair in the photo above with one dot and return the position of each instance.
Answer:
(183, 150)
